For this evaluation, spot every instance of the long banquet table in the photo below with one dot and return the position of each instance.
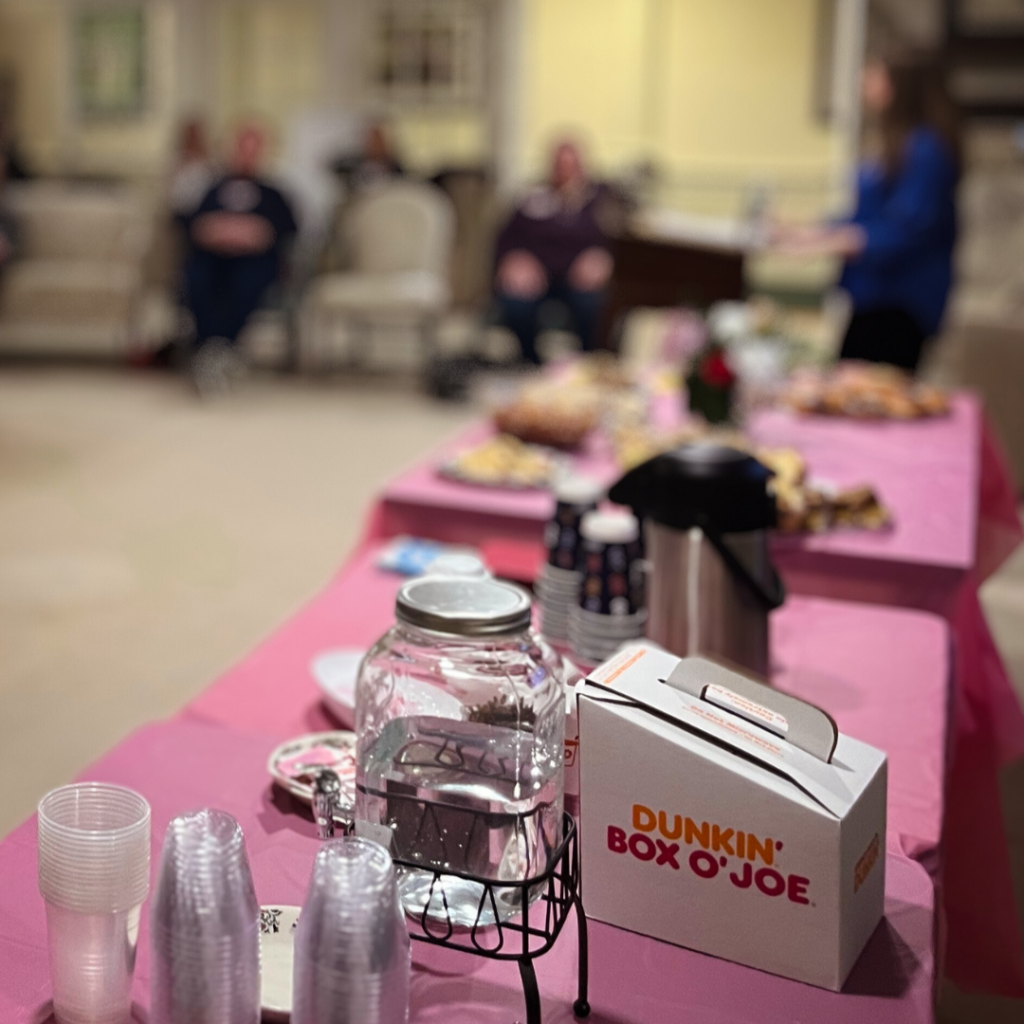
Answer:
(897, 677)
(955, 522)
(881, 668)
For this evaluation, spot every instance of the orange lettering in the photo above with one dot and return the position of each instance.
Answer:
(866, 863)
(702, 834)
(677, 826)
(644, 819)
(721, 840)
(765, 850)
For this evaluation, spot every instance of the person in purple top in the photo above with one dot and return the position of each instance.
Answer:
(553, 247)
(898, 244)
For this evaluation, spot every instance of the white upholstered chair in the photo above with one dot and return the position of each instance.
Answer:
(399, 236)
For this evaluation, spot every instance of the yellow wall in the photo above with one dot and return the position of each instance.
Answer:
(430, 141)
(272, 58)
(583, 71)
(719, 89)
(30, 50)
(702, 87)
(139, 146)
(37, 46)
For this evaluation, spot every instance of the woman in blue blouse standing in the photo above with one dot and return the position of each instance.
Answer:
(898, 245)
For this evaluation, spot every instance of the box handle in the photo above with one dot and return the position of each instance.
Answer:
(801, 724)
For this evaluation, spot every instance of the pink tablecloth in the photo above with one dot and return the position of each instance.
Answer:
(883, 673)
(184, 765)
(955, 522)
(928, 472)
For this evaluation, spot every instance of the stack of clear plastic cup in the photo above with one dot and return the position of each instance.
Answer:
(204, 926)
(352, 956)
(94, 878)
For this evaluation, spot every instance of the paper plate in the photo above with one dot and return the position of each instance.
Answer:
(277, 939)
(335, 673)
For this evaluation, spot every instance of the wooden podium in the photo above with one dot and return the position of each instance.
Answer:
(670, 268)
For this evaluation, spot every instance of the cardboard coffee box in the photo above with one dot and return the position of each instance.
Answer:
(719, 814)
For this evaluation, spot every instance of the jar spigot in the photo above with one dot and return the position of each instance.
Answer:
(326, 801)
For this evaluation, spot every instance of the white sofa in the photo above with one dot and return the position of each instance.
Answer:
(76, 284)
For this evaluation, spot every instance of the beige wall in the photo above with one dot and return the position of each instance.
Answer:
(271, 61)
(30, 51)
(706, 90)
(36, 44)
(715, 89)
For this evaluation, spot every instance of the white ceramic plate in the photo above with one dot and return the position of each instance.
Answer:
(293, 764)
(277, 938)
(335, 673)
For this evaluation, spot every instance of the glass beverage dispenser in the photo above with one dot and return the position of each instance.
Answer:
(460, 716)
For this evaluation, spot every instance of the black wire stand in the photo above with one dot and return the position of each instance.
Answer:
(523, 938)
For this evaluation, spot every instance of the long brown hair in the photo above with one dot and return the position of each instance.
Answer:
(920, 99)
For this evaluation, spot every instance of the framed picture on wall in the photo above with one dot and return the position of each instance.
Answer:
(428, 52)
(110, 61)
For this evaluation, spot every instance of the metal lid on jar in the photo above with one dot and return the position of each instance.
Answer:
(462, 606)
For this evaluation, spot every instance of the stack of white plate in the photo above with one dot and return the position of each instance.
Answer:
(595, 638)
(558, 591)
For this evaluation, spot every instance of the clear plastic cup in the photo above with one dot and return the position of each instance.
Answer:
(94, 878)
(204, 926)
(352, 955)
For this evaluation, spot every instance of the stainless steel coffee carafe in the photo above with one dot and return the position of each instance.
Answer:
(711, 585)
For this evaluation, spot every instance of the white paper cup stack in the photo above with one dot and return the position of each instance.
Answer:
(594, 638)
(94, 878)
(558, 591)
(204, 926)
(352, 955)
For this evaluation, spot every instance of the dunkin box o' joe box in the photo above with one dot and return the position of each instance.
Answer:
(719, 814)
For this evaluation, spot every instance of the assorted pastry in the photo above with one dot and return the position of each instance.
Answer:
(808, 506)
(804, 506)
(503, 461)
(864, 391)
(559, 417)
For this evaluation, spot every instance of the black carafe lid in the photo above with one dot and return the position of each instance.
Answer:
(712, 486)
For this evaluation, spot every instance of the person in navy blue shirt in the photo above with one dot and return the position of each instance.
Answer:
(238, 236)
(898, 244)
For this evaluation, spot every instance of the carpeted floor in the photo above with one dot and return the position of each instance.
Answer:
(147, 541)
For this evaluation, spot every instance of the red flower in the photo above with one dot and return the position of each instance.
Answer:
(715, 371)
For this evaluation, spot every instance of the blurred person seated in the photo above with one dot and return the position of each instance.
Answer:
(194, 171)
(238, 238)
(15, 168)
(376, 163)
(898, 245)
(554, 247)
(8, 225)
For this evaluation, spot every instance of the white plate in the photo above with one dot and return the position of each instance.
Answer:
(335, 673)
(277, 940)
(334, 750)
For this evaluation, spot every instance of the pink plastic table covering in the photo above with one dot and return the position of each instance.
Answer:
(956, 521)
(182, 765)
(883, 673)
(927, 471)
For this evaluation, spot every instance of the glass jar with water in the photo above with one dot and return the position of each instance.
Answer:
(460, 716)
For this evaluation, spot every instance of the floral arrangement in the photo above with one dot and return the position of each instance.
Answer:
(710, 384)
